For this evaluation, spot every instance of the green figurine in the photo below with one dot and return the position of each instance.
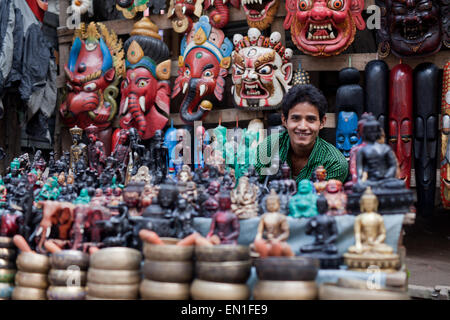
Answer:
(83, 198)
(303, 204)
(50, 190)
(14, 169)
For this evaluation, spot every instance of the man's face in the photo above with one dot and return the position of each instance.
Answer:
(303, 124)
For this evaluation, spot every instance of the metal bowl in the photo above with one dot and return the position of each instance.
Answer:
(103, 276)
(168, 251)
(31, 280)
(287, 268)
(116, 258)
(113, 291)
(68, 258)
(157, 290)
(23, 293)
(169, 271)
(208, 290)
(222, 252)
(6, 290)
(285, 290)
(33, 262)
(6, 242)
(66, 293)
(7, 275)
(67, 278)
(7, 253)
(7, 264)
(228, 271)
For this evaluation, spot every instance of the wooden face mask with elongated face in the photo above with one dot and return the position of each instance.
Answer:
(323, 27)
(445, 147)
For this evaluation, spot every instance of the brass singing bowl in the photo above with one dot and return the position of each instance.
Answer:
(286, 268)
(118, 277)
(7, 253)
(285, 290)
(88, 297)
(208, 290)
(222, 252)
(229, 271)
(168, 251)
(24, 293)
(31, 280)
(169, 271)
(7, 275)
(6, 290)
(7, 264)
(66, 293)
(113, 291)
(33, 262)
(69, 258)
(329, 291)
(157, 290)
(6, 242)
(116, 258)
(67, 278)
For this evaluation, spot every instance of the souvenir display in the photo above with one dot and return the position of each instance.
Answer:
(244, 199)
(400, 118)
(260, 15)
(303, 204)
(445, 145)
(202, 68)
(324, 229)
(220, 15)
(93, 73)
(376, 100)
(412, 29)
(183, 12)
(349, 107)
(145, 91)
(323, 28)
(376, 167)
(426, 101)
(261, 71)
(370, 233)
(273, 230)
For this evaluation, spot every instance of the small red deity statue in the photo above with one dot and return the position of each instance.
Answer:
(95, 150)
(336, 198)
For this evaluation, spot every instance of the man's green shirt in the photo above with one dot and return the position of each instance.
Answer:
(323, 153)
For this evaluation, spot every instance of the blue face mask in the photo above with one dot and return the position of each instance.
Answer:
(346, 132)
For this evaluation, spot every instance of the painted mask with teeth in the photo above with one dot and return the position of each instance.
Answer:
(261, 71)
(260, 13)
(323, 27)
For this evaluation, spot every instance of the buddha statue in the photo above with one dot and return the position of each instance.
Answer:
(303, 204)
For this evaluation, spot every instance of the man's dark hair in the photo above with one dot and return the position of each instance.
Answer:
(304, 93)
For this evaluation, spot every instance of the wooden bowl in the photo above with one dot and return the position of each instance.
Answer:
(7, 253)
(6, 242)
(222, 252)
(286, 268)
(116, 258)
(208, 290)
(329, 291)
(31, 280)
(285, 290)
(228, 271)
(113, 291)
(7, 264)
(23, 293)
(33, 262)
(169, 271)
(102, 276)
(7, 275)
(67, 278)
(67, 258)
(66, 293)
(157, 290)
(6, 290)
(168, 251)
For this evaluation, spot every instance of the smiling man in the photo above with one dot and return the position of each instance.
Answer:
(303, 115)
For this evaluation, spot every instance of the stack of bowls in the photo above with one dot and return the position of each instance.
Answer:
(221, 272)
(7, 267)
(168, 270)
(286, 278)
(68, 275)
(31, 280)
(114, 273)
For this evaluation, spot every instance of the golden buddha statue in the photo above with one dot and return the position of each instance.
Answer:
(244, 199)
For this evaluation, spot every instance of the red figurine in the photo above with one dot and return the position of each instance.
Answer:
(96, 150)
(400, 118)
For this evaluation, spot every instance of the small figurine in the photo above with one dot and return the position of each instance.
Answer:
(370, 234)
(324, 230)
(95, 150)
(78, 151)
(273, 230)
(83, 198)
(303, 204)
(321, 183)
(210, 205)
(225, 225)
(245, 199)
(142, 175)
(336, 197)
(132, 198)
(183, 216)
